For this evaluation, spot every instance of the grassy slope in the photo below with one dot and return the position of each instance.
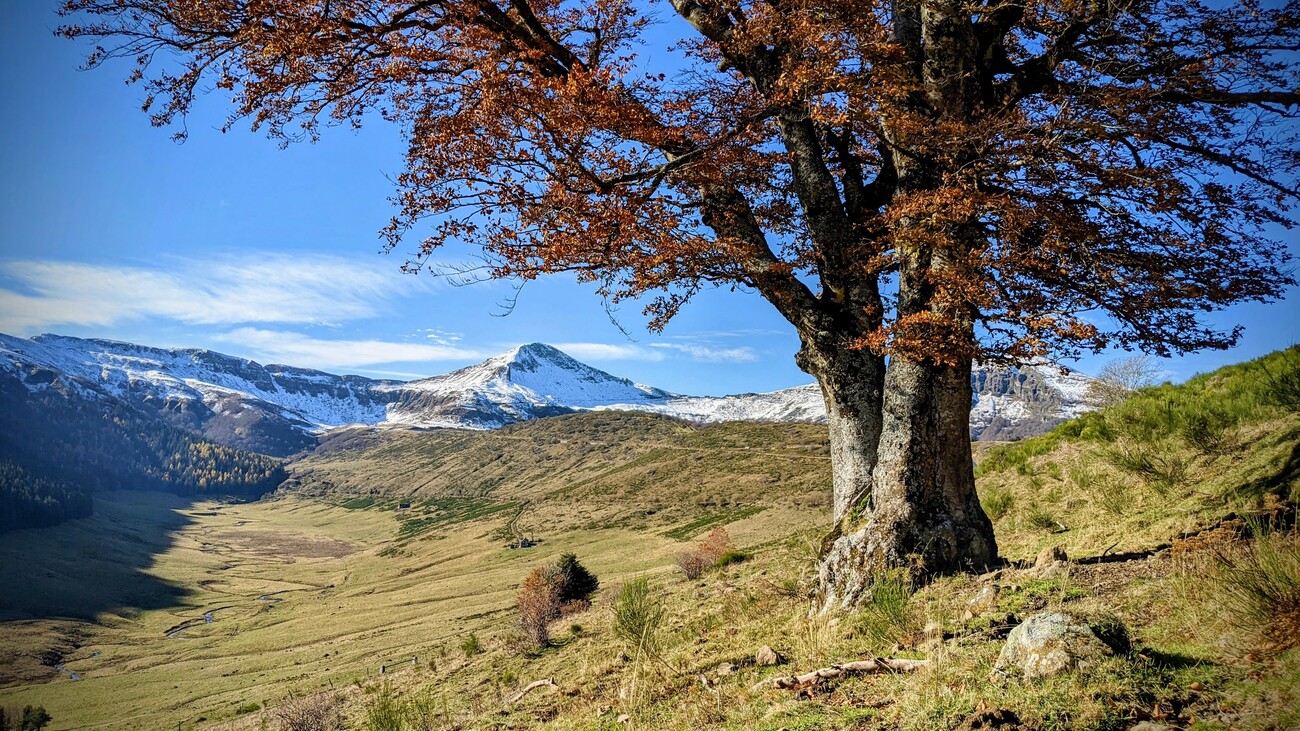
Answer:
(1169, 460)
(620, 490)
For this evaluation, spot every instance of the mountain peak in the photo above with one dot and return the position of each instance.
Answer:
(539, 351)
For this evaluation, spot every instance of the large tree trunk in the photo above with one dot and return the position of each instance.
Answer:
(922, 513)
(852, 383)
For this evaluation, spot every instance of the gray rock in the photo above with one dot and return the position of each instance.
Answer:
(725, 668)
(1051, 643)
(1050, 556)
(986, 600)
(766, 657)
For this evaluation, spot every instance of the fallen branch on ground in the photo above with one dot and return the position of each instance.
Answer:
(544, 682)
(878, 665)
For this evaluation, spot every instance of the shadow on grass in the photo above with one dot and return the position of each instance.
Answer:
(1173, 660)
(89, 566)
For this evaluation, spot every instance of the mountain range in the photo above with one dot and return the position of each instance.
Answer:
(280, 410)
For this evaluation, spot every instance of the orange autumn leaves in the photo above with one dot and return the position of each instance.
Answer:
(1033, 178)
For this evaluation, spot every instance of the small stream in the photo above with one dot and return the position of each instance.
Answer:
(209, 617)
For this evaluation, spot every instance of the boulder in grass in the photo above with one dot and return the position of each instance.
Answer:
(1051, 643)
(767, 657)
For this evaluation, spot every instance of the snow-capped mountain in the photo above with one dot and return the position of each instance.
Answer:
(272, 409)
(278, 409)
(528, 382)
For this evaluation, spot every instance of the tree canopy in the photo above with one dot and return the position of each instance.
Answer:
(1115, 163)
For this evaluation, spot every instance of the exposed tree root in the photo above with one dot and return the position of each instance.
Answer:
(544, 682)
(816, 677)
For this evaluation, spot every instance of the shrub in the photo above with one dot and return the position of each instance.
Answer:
(997, 502)
(886, 613)
(248, 708)
(1040, 518)
(692, 563)
(316, 712)
(575, 582)
(731, 557)
(30, 718)
(551, 592)
(539, 603)
(1162, 470)
(638, 617)
(716, 545)
(1284, 382)
(1260, 583)
(1111, 494)
(709, 553)
(384, 711)
(471, 646)
(1208, 431)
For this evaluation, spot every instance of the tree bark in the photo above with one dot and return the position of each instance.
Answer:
(922, 514)
(852, 384)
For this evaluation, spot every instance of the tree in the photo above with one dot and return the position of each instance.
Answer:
(574, 581)
(913, 184)
(539, 604)
(1119, 378)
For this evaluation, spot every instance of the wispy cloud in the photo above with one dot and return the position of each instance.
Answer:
(297, 349)
(657, 352)
(224, 291)
(711, 354)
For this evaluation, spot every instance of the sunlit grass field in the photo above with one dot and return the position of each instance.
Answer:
(302, 595)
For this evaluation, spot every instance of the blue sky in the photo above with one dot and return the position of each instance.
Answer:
(110, 229)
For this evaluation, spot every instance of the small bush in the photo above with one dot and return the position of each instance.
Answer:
(731, 557)
(1040, 518)
(709, 553)
(1111, 494)
(997, 502)
(638, 617)
(1160, 469)
(692, 563)
(886, 614)
(384, 711)
(551, 592)
(1260, 583)
(717, 544)
(1209, 431)
(317, 712)
(248, 708)
(471, 646)
(539, 603)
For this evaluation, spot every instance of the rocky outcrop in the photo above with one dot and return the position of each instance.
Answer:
(1051, 643)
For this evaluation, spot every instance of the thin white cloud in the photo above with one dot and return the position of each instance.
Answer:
(608, 351)
(297, 349)
(711, 354)
(657, 352)
(224, 291)
(439, 336)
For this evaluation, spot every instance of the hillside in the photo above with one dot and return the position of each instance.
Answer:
(59, 445)
(311, 592)
(600, 468)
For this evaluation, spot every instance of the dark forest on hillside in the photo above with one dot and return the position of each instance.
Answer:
(58, 447)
